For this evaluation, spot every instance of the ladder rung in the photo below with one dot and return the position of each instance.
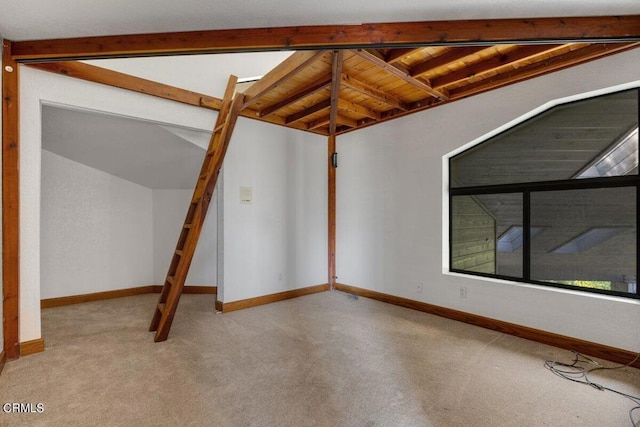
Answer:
(211, 152)
(171, 280)
(187, 226)
(203, 175)
(179, 253)
(219, 127)
(161, 307)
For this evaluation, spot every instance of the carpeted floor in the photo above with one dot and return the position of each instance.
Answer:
(321, 360)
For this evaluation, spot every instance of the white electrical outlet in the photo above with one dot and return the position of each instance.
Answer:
(419, 288)
(463, 292)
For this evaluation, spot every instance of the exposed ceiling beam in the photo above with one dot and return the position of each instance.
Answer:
(376, 59)
(453, 55)
(562, 29)
(308, 111)
(351, 107)
(396, 55)
(309, 90)
(325, 121)
(373, 92)
(336, 72)
(91, 73)
(492, 63)
(342, 120)
(535, 69)
(280, 74)
(101, 75)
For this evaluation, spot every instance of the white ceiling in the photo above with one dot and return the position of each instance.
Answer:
(153, 155)
(39, 19)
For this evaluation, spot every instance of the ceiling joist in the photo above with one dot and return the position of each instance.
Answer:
(449, 57)
(556, 63)
(323, 105)
(312, 89)
(494, 62)
(280, 75)
(372, 57)
(373, 92)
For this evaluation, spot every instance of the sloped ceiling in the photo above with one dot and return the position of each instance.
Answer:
(157, 156)
(40, 19)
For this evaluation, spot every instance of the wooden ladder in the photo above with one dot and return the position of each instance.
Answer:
(188, 240)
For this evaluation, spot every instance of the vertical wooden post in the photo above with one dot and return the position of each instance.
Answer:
(332, 212)
(336, 71)
(10, 203)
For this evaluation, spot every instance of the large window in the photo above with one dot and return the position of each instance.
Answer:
(554, 200)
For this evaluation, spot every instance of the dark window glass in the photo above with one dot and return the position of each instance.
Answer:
(487, 234)
(589, 238)
(589, 138)
(553, 200)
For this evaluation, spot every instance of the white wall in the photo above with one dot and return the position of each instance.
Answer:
(37, 87)
(96, 230)
(278, 242)
(169, 210)
(390, 211)
(275, 244)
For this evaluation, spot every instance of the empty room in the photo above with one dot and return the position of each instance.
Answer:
(349, 214)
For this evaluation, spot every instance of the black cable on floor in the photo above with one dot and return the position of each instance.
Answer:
(578, 371)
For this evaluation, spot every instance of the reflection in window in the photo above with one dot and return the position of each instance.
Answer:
(512, 239)
(553, 200)
(588, 239)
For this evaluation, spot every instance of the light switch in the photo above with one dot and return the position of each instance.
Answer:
(246, 195)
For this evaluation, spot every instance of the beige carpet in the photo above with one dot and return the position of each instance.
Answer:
(319, 360)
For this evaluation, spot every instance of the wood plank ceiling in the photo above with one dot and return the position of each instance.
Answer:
(337, 91)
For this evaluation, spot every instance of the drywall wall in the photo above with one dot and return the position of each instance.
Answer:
(96, 230)
(390, 226)
(39, 87)
(169, 210)
(277, 242)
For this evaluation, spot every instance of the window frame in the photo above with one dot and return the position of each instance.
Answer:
(526, 188)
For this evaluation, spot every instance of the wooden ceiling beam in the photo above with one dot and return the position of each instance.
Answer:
(309, 90)
(373, 92)
(496, 61)
(429, 33)
(315, 124)
(124, 81)
(376, 59)
(342, 120)
(455, 54)
(280, 74)
(394, 56)
(569, 59)
(80, 70)
(326, 121)
(92, 73)
(308, 111)
(351, 107)
(336, 72)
